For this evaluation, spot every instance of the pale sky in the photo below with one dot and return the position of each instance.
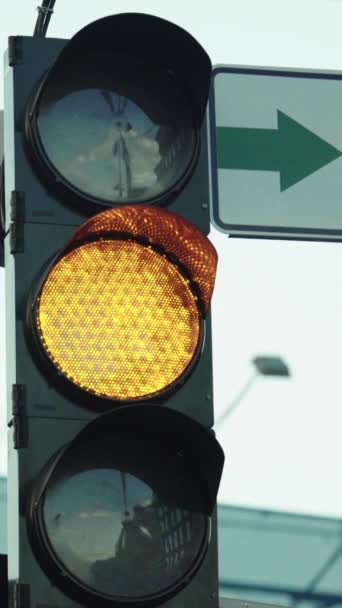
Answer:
(282, 444)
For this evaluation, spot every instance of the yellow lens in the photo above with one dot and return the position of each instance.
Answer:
(118, 319)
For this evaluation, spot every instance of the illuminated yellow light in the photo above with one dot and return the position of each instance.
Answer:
(118, 319)
(174, 233)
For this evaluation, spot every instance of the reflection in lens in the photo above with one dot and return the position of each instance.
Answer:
(126, 519)
(116, 129)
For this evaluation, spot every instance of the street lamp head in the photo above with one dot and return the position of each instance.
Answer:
(271, 366)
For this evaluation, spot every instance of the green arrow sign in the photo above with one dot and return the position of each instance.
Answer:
(291, 149)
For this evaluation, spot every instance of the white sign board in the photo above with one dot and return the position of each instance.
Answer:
(276, 153)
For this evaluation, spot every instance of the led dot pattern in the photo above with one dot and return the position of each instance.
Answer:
(160, 227)
(118, 318)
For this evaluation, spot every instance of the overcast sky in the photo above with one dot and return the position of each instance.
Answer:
(283, 443)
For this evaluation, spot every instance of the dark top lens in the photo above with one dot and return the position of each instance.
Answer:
(115, 128)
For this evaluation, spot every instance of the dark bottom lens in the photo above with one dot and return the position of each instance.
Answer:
(125, 517)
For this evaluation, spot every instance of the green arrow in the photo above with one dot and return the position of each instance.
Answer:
(291, 149)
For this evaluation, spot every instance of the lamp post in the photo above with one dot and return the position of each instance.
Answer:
(263, 365)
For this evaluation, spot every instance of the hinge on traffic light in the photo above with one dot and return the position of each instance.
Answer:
(18, 595)
(17, 221)
(15, 50)
(19, 422)
(17, 206)
(16, 237)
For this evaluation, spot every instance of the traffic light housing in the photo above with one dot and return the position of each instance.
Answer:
(3, 579)
(113, 467)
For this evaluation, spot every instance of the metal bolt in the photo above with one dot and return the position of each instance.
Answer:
(204, 205)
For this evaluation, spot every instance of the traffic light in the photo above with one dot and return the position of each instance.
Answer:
(3, 579)
(113, 466)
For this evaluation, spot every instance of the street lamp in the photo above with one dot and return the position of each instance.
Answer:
(263, 365)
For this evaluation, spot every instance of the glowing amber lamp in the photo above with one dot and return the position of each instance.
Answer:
(120, 317)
